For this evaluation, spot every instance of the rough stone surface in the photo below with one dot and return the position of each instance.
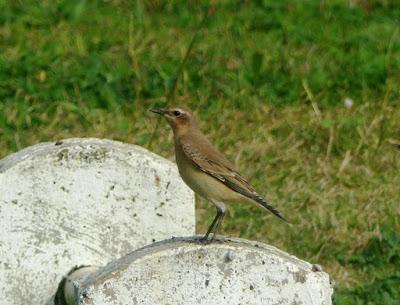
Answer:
(183, 271)
(82, 202)
(72, 281)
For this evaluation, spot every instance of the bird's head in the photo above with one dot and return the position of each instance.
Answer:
(180, 118)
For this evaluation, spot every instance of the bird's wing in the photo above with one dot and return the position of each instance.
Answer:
(220, 168)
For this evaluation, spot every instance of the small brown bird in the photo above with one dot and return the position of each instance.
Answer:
(205, 170)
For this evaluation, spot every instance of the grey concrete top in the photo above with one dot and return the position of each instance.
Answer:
(82, 202)
(228, 271)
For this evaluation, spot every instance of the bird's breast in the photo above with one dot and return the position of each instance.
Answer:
(202, 183)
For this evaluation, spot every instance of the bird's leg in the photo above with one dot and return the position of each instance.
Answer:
(221, 213)
(216, 224)
(211, 228)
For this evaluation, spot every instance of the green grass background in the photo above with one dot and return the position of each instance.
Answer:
(267, 80)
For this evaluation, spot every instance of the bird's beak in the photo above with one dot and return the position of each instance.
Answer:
(158, 111)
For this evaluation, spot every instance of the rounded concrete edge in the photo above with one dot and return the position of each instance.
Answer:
(44, 148)
(29, 158)
(116, 266)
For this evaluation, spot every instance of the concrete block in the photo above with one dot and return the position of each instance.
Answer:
(82, 202)
(183, 271)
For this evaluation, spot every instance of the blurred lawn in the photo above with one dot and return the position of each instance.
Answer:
(268, 80)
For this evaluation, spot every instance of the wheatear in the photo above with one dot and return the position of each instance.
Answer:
(205, 170)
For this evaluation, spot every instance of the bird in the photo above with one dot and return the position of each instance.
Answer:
(205, 170)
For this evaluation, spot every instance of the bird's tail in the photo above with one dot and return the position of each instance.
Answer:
(257, 198)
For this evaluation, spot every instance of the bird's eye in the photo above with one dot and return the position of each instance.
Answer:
(177, 113)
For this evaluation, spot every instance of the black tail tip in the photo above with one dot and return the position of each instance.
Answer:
(286, 221)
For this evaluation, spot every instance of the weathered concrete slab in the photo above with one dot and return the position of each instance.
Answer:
(182, 271)
(82, 202)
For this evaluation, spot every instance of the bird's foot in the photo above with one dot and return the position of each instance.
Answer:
(205, 240)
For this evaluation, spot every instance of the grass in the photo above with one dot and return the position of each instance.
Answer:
(267, 80)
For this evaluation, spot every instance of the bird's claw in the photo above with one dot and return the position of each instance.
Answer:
(205, 240)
